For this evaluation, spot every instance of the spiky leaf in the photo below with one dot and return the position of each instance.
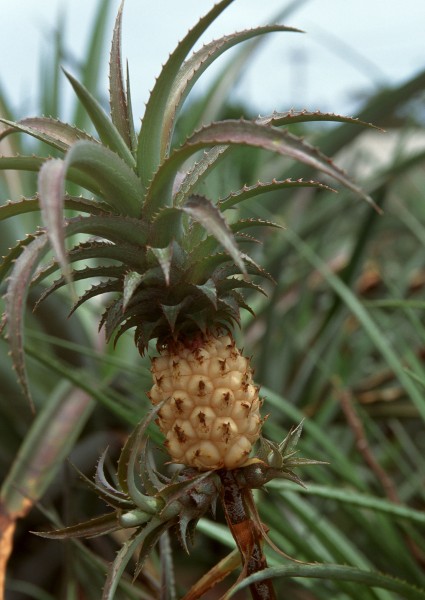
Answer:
(209, 216)
(117, 95)
(51, 181)
(119, 185)
(104, 126)
(51, 131)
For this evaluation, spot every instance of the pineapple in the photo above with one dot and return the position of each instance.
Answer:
(166, 256)
(211, 417)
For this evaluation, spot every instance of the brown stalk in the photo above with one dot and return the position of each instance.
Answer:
(246, 532)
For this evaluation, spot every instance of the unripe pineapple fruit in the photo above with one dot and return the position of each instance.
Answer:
(211, 416)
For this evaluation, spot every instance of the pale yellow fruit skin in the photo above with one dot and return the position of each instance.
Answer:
(211, 417)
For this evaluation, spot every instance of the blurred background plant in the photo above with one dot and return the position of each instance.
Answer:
(339, 340)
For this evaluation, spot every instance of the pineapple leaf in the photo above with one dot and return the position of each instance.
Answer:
(247, 223)
(171, 312)
(152, 535)
(119, 184)
(114, 228)
(262, 188)
(95, 290)
(89, 529)
(147, 503)
(198, 173)
(131, 130)
(204, 212)
(303, 116)
(8, 261)
(117, 95)
(18, 207)
(76, 275)
(231, 283)
(21, 163)
(168, 579)
(153, 135)
(15, 300)
(51, 131)
(164, 256)
(112, 317)
(195, 66)
(116, 499)
(209, 290)
(128, 255)
(249, 133)
(101, 480)
(202, 266)
(244, 133)
(126, 553)
(104, 126)
(34, 164)
(131, 280)
(51, 181)
(165, 226)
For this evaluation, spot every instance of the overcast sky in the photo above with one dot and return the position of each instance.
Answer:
(351, 46)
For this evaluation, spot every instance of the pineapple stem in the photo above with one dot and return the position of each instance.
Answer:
(246, 532)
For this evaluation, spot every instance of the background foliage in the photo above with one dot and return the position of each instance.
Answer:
(340, 340)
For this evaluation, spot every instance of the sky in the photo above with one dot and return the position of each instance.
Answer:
(350, 47)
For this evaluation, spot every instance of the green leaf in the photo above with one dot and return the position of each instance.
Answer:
(360, 500)
(304, 116)
(130, 256)
(164, 256)
(105, 287)
(209, 290)
(133, 451)
(26, 205)
(21, 163)
(172, 311)
(19, 207)
(248, 223)
(244, 133)
(198, 173)
(165, 227)
(248, 133)
(196, 65)
(88, 529)
(115, 228)
(260, 188)
(51, 131)
(76, 275)
(119, 185)
(131, 129)
(168, 582)
(132, 280)
(335, 573)
(371, 328)
(111, 494)
(34, 163)
(204, 212)
(117, 96)
(104, 126)
(152, 131)
(125, 554)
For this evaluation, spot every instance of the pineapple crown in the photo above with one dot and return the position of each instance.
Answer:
(167, 253)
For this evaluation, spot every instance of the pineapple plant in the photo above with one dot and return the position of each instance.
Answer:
(167, 257)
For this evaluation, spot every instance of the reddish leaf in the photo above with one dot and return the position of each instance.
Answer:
(15, 305)
(51, 187)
